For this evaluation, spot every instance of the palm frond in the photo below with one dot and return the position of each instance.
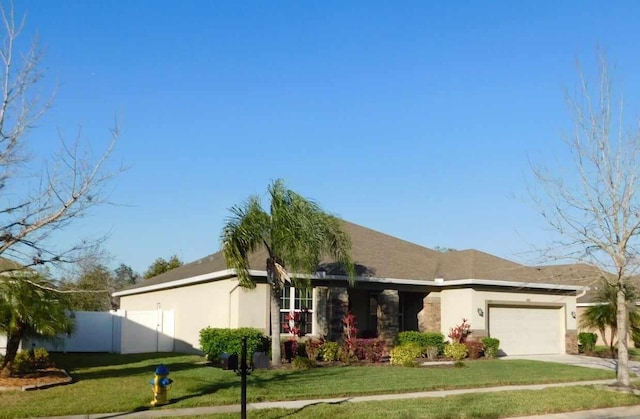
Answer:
(243, 233)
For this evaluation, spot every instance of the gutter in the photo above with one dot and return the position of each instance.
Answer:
(438, 283)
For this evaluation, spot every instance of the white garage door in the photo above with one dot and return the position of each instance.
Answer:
(527, 330)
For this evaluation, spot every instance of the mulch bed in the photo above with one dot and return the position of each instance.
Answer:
(39, 379)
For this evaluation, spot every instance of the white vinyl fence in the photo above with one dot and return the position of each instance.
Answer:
(118, 331)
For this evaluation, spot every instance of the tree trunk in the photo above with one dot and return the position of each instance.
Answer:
(623, 351)
(13, 344)
(276, 292)
(275, 327)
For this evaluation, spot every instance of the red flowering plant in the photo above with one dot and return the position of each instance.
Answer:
(459, 333)
(299, 321)
(349, 333)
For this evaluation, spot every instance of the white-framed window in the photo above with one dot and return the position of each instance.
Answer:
(296, 303)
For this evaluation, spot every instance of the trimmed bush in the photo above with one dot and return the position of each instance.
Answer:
(474, 348)
(303, 363)
(491, 347)
(405, 355)
(456, 351)
(587, 342)
(369, 349)
(423, 339)
(330, 351)
(214, 342)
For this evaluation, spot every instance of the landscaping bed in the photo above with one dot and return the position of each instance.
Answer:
(38, 379)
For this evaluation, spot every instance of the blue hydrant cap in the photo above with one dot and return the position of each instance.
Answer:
(162, 370)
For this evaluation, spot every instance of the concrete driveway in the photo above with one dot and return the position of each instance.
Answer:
(579, 360)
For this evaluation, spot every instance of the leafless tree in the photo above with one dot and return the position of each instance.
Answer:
(38, 199)
(594, 207)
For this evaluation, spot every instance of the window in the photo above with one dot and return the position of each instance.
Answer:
(296, 310)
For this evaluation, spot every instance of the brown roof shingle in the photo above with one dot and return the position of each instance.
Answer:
(385, 256)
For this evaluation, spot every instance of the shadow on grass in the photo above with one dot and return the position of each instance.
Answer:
(75, 360)
(131, 371)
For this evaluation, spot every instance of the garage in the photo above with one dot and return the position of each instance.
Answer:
(528, 330)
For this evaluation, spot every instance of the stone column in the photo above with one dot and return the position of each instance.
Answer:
(388, 310)
(321, 311)
(430, 315)
(338, 308)
(571, 342)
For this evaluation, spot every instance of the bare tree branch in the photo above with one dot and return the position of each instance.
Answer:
(595, 209)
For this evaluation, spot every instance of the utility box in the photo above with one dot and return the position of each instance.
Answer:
(228, 361)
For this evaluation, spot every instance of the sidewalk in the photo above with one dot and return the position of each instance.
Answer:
(299, 404)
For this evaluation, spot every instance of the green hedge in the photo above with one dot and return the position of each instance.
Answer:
(423, 339)
(587, 342)
(214, 342)
(491, 347)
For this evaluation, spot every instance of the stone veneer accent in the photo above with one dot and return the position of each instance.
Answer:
(571, 341)
(321, 310)
(338, 308)
(429, 318)
(388, 311)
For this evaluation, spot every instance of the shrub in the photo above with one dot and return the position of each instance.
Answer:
(587, 342)
(369, 349)
(349, 333)
(303, 363)
(456, 351)
(329, 351)
(289, 349)
(41, 359)
(460, 333)
(214, 342)
(491, 347)
(423, 339)
(405, 355)
(22, 363)
(432, 352)
(474, 348)
(313, 349)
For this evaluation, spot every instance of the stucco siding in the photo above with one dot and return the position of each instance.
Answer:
(195, 307)
(456, 304)
(253, 307)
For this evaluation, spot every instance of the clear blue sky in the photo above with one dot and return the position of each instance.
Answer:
(414, 118)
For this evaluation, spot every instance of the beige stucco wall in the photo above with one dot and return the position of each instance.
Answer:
(216, 304)
(464, 303)
(455, 305)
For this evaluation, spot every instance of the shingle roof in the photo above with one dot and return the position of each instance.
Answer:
(384, 256)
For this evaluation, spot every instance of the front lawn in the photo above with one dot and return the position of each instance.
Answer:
(118, 383)
(487, 405)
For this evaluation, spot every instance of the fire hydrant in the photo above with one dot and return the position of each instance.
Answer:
(161, 384)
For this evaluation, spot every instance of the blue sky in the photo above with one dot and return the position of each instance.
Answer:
(414, 118)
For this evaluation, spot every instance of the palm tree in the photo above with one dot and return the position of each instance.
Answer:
(295, 232)
(29, 305)
(603, 314)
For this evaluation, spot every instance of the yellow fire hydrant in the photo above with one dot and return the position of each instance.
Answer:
(161, 384)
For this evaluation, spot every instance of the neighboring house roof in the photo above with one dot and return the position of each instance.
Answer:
(9, 266)
(380, 255)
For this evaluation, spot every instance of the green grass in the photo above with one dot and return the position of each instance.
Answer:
(488, 405)
(118, 383)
